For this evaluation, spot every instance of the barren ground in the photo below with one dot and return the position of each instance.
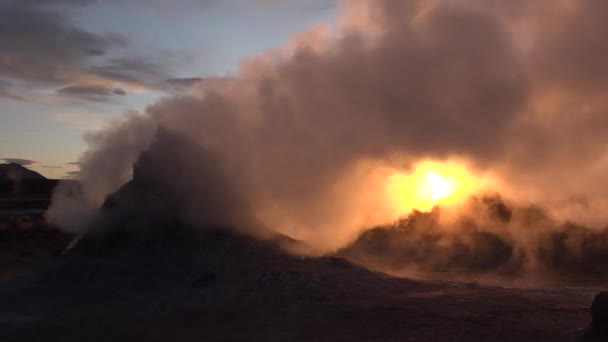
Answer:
(222, 287)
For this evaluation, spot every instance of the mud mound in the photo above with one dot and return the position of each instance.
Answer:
(490, 239)
(148, 268)
(213, 275)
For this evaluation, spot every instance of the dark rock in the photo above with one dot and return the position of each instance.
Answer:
(205, 280)
(338, 262)
(599, 315)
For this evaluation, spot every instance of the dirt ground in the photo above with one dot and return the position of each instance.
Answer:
(221, 287)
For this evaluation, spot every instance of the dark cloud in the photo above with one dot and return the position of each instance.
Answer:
(43, 46)
(95, 52)
(5, 90)
(85, 90)
(40, 47)
(184, 82)
(38, 3)
(133, 71)
(311, 5)
(91, 93)
(20, 161)
(11, 95)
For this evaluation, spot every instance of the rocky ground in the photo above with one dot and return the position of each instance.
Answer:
(218, 286)
(24, 247)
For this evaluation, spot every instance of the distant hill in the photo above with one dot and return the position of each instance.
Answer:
(17, 180)
(16, 172)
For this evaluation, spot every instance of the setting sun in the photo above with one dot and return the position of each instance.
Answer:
(437, 186)
(432, 183)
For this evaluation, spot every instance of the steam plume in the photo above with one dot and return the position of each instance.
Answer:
(303, 136)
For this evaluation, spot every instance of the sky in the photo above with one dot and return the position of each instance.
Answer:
(68, 67)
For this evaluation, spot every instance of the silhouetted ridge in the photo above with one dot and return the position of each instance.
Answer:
(31, 188)
(15, 172)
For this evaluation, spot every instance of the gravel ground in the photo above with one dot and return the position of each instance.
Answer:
(223, 287)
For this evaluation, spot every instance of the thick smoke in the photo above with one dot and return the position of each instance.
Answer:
(302, 139)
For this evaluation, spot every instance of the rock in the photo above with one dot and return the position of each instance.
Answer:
(205, 280)
(599, 315)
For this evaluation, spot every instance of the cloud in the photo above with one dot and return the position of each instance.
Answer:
(95, 52)
(51, 167)
(314, 5)
(6, 92)
(85, 120)
(20, 161)
(184, 82)
(38, 3)
(132, 71)
(71, 175)
(11, 95)
(42, 48)
(91, 93)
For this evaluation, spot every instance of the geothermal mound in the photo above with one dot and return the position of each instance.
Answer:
(489, 239)
(184, 284)
(139, 271)
(144, 269)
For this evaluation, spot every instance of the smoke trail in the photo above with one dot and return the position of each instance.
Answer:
(303, 136)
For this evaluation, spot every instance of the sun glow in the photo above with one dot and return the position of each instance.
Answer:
(432, 183)
(437, 187)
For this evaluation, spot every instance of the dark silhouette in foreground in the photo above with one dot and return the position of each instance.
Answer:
(598, 327)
